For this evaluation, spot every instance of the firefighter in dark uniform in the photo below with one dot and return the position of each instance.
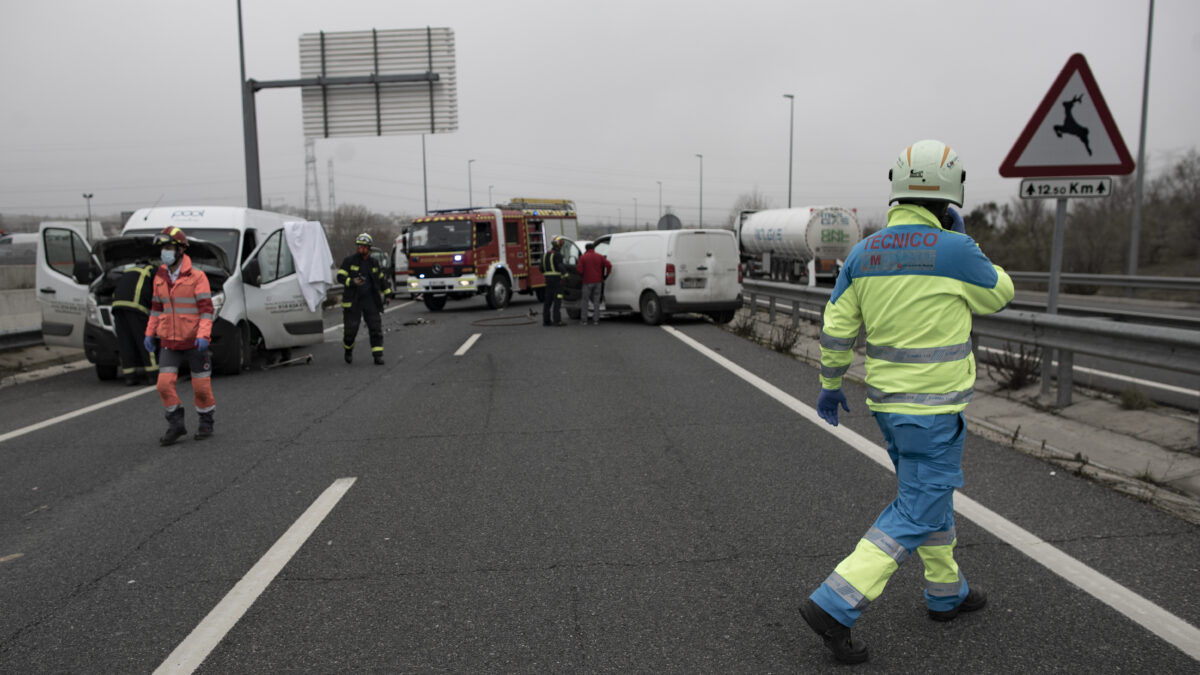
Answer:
(552, 269)
(366, 291)
(131, 312)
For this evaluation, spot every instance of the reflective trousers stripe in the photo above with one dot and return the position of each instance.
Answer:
(942, 577)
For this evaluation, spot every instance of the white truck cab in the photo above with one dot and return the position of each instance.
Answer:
(260, 300)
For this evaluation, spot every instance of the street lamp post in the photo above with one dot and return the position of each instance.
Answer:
(88, 196)
(490, 194)
(635, 222)
(470, 190)
(791, 134)
(701, 188)
(659, 199)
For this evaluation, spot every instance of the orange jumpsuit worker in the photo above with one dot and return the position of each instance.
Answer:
(181, 318)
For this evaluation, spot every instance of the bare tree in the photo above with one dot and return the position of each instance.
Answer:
(750, 201)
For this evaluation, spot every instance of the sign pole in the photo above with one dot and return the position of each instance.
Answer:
(1056, 257)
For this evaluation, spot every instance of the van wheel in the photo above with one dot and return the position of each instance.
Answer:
(435, 303)
(500, 292)
(651, 306)
(232, 362)
(106, 373)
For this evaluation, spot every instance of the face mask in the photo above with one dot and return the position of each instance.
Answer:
(168, 256)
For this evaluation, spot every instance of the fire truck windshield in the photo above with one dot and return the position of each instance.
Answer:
(441, 235)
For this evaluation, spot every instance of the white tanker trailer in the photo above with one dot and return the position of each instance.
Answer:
(797, 245)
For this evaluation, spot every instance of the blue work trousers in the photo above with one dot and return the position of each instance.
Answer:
(926, 451)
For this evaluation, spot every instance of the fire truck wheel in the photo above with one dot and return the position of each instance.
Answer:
(435, 303)
(499, 293)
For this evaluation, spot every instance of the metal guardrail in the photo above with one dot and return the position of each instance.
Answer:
(1126, 281)
(1173, 348)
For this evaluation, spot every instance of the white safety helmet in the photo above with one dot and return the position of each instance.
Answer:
(364, 239)
(928, 170)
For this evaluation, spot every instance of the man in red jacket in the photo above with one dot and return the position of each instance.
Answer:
(181, 318)
(593, 270)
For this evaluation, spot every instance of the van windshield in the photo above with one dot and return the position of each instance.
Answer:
(441, 235)
(226, 239)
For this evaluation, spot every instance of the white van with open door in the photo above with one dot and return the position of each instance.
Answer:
(663, 272)
(267, 281)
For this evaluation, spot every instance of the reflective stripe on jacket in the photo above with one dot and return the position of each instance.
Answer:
(181, 311)
(551, 262)
(377, 285)
(914, 286)
(133, 289)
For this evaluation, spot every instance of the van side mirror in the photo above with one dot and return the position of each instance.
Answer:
(251, 274)
(83, 271)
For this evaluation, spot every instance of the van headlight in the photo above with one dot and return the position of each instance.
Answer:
(218, 300)
(93, 311)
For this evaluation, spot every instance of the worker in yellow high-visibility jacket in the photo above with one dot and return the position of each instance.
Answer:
(914, 286)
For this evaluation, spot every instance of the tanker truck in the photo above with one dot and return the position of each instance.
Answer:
(799, 245)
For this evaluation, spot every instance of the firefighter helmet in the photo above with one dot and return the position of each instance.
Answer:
(557, 241)
(928, 170)
(171, 235)
(364, 239)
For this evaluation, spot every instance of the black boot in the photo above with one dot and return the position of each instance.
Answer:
(175, 428)
(378, 358)
(206, 426)
(836, 636)
(975, 599)
(349, 356)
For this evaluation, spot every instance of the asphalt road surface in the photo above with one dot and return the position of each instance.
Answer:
(617, 498)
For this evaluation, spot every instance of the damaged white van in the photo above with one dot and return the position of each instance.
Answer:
(269, 274)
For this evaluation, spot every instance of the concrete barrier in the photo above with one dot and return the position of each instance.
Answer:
(19, 312)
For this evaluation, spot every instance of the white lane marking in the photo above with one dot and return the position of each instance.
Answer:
(42, 373)
(1157, 620)
(204, 637)
(385, 311)
(66, 416)
(467, 345)
(95, 407)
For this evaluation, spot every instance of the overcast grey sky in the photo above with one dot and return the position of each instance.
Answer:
(138, 101)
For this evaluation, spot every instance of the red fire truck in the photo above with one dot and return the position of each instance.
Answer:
(494, 251)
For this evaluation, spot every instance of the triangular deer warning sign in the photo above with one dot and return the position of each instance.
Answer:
(1071, 133)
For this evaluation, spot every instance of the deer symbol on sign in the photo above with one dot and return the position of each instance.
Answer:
(1070, 126)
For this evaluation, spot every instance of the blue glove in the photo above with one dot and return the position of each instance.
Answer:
(827, 405)
(201, 344)
(148, 343)
(956, 220)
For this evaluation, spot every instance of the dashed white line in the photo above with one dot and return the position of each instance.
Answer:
(467, 345)
(66, 416)
(386, 311)
(1157, 620)
(204, 637)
